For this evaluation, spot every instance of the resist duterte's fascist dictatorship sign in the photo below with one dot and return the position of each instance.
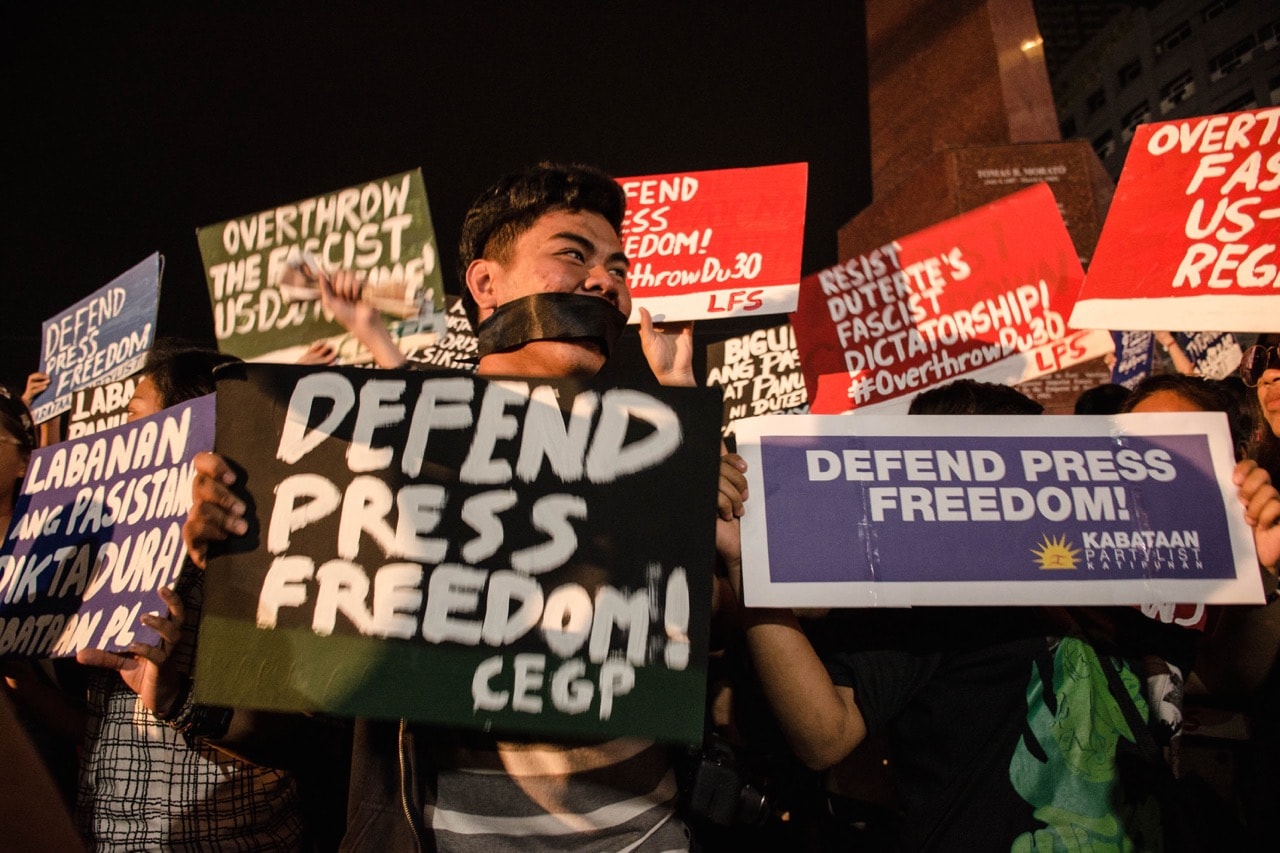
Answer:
(902, 510)
(984, 295)
(450, 549)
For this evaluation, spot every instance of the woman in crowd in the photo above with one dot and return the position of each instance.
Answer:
(1260, 371)
(148, 779)
(1236, 658)
(53, 721)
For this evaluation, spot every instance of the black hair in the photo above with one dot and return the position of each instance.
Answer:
(1206, 394)
(15, 419)
(1209, 395)
(181, 370)
(1104, 399)
(969, 397)
(504, 211)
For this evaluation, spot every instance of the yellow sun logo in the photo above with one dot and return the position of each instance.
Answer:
(1056, 553)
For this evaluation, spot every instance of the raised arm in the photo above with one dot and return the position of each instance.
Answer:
(341, 295)
(668, 347)
(820, 720)
(1181, 362)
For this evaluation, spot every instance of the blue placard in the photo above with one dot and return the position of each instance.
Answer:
(1133, 357)
(96, 531)
(862, 511)
(102, 338)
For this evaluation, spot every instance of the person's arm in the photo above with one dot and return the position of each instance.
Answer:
(820, 720)
(320, 352)
(1243, 643)
(1181, 362)
(341, 295)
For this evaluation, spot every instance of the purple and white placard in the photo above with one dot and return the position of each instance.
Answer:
(944, 510)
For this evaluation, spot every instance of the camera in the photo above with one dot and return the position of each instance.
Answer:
(716, 787)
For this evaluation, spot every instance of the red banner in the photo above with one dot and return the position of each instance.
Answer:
(983, 295)
(725, 243)
(1190, 240)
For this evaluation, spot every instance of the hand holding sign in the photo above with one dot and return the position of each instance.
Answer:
(144, 668)
(1261, 511)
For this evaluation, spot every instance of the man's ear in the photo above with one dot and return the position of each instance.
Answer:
(480, 281)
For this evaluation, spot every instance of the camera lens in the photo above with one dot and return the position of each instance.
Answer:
(753, 806)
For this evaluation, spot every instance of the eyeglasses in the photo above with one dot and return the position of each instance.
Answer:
(1258, 360)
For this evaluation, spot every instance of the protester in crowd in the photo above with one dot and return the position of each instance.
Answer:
(1008, 725)
(1178, 392)
(18, 438)
(1237, 653)
(545, 287)
(1260, 370)
(51, 718)
(1104, 399)
(148, 780)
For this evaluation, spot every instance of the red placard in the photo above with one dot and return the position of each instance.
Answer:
(1190, 240)
(984, 295)
(724, 243)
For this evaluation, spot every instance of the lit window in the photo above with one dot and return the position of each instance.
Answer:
(1136, 116)
(1269, 36)
(1216, 8)
(1232, 58)
(1177, 90)
(1245, 101)
(1097, 100)
(1104, 145)
(1129, 72)
(1172, 39)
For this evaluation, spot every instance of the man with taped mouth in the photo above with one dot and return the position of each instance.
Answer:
(545, 288)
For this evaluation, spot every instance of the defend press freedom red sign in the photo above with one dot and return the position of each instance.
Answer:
(724, 243)
(983, 295)
(1190, 240)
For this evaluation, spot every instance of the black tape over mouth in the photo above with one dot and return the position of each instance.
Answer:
(551, 317)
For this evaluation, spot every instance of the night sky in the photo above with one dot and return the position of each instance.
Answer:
(132, 124)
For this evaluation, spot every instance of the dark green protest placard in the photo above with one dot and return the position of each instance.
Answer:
(517, 555)
(264, 311)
